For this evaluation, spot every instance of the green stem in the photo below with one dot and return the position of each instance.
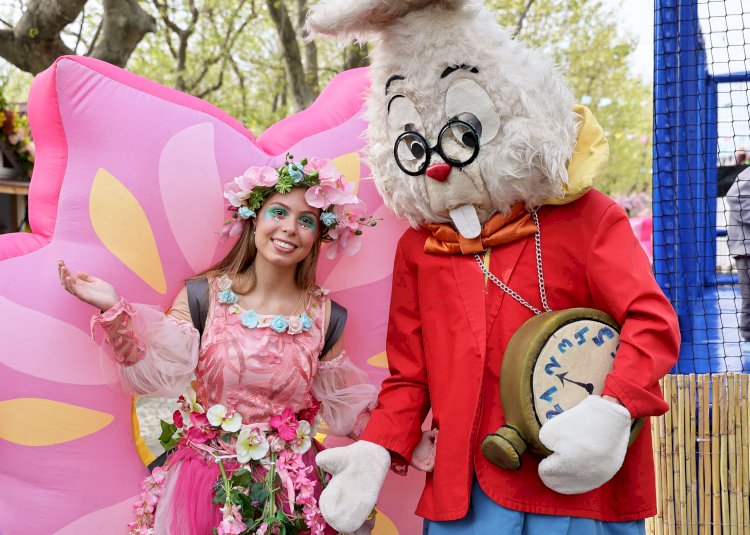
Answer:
(225, 481)
(271, 485)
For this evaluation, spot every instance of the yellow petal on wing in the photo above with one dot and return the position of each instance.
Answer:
(348, 165)
(121, 224)
(384, 525)
(379, 360)
(44, 422)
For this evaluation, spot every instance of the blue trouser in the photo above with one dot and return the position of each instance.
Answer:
(485, 517)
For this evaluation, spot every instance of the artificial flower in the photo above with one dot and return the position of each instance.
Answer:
(328, 219)
(201, 431)
(325, 168)
(228, 420)
(306, 321)
(251, 444)
(228, 297)
(191, 401)
(279, 324)
(249, 319)
(231, 522)
(295, 171)
(258, 176)
(245, 213)
(302, 442)
(286, 424)
(177, 419)
(277, 443)
(295, 325)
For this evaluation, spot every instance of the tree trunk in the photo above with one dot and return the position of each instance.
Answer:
(355, 56)
(311, 51)
(34, 43)
(301, 94)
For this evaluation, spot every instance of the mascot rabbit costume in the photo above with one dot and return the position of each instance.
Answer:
(476, 141)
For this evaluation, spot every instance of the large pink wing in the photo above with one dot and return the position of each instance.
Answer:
(128, 185)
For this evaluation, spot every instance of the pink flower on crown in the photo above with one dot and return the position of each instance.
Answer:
(324, 167)
(235, 194)
(330, 192)
(258, 176)
(346, 242)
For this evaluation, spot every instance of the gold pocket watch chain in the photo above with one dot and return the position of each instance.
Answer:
(540, 274)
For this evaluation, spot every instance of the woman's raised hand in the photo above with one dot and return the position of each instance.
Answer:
(96, 292)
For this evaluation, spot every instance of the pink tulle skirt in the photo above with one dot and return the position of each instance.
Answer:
(186, 504)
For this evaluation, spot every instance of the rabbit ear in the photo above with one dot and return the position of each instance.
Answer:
(347, 17)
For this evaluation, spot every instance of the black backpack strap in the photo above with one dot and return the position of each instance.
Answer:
(198, 296)
(335, 327)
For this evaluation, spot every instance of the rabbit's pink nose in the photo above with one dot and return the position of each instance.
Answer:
(439, 171)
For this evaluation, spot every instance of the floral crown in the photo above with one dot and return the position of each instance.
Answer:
(342, 212)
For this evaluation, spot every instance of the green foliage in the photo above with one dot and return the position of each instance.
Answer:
(584, 38)
(232, 58)
(167, 438)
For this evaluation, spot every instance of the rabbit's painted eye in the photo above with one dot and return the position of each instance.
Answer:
(403, 117)
(464, 134)
(468, 102)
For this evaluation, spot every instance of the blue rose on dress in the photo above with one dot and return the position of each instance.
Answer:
(249, 319)
(245, 212)
(328, 218)
(228, 297)
(306, 321)
(295, 173)
(279, 324)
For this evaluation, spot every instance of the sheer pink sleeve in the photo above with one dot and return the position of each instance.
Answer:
(346, 396)
(157, 354)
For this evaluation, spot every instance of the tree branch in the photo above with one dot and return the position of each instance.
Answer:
(43, 20)
(30, 55)
(214, 87)
(522, 17)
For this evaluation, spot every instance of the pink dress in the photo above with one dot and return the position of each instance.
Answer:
(255, 364)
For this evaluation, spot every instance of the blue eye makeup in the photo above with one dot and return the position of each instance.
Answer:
(275, 212)
(308, 222)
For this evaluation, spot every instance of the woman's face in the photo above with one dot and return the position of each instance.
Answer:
(286, 228)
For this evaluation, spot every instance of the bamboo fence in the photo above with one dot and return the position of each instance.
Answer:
(702, 456)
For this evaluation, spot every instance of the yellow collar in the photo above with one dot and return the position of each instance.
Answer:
(588, 161)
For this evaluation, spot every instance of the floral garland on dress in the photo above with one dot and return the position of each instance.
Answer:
(343, 214)
(266, 465)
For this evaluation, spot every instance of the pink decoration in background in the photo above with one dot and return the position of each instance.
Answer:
(642, 228)
(123, 162)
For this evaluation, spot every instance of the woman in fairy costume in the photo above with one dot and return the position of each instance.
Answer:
(267, 366)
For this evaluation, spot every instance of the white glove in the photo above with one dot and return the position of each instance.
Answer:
(358, 472)
(589, 443)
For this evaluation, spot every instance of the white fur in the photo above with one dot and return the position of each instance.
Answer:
(357, 19)
(589, 443)
(524, 162)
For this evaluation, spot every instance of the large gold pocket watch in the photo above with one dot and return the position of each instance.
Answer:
(551, 364)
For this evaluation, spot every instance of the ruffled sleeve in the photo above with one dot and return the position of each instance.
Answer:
(346, 396)
(157, 354)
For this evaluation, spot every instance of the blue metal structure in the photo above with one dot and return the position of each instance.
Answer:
(685, 192)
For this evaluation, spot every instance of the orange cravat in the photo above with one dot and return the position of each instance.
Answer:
(499, 229)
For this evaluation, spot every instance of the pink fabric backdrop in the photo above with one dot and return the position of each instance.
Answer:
(128, 186)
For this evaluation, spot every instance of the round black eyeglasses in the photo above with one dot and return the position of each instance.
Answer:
(413, 153)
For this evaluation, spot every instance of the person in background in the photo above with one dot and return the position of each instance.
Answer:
(738, 233)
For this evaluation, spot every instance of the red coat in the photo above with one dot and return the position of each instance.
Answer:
(446, 339)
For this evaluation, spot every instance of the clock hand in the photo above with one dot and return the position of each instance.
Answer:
(586, 386)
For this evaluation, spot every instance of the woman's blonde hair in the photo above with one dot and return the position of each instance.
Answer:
(239, 263)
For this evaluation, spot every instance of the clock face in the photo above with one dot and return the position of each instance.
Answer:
(573, 363)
